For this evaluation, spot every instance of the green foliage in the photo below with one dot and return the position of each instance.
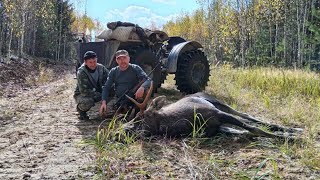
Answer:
(314, 26)
(272, 82)
(198, 125)
(290, 97)
(82, 23)
(256, 32)
(274, 173)
(227, 157)
(311, 156)
(111, 141)
(41, 28)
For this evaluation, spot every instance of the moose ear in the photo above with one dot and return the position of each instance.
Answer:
(158, 102)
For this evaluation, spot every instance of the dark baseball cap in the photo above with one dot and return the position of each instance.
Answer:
(89, 55)
(120, 53)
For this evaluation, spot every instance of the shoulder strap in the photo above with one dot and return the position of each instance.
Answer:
(91, 79)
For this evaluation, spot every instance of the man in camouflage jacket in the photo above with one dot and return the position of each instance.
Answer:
(90, 78)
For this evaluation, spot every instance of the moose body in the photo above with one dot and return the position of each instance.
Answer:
(179, 118)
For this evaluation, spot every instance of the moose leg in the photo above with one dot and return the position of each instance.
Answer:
(244, 117)
(227, 109)
(233, 120)
(231, 131)
(252, 120)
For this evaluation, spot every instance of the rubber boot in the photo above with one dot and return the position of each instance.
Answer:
(82, 114)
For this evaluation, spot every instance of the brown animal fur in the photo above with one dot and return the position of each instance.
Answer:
(177, 119)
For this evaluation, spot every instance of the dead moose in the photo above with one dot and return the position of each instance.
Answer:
(177, 119)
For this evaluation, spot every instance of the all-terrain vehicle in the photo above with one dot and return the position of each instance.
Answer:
(156, 52)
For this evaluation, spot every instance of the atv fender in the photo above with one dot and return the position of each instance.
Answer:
(177, 50)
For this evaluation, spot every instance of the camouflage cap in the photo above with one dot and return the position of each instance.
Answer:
(120, 53)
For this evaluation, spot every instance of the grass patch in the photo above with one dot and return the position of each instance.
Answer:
(280, 96)
(288, 97)
(41, 75)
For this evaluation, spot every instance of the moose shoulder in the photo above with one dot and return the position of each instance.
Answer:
(179, 118)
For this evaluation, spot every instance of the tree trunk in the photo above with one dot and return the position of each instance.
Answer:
(255, 31)
(276, 42)
(23, 26)
(34, 37)
(270, 37)
(64, 48)
(285, 34)
(298, 33)
(9, 43)
(60, 30)
(242, 33)
(1, 36)
(312, 45)
(304, 32)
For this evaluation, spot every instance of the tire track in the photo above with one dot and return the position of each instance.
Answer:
(40, 134)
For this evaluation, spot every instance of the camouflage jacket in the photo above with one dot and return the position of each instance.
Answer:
(84, 84)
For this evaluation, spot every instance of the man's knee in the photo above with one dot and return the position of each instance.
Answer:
(85, 107)
(85, 103)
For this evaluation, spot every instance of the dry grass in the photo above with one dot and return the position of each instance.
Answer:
(42, 76)
(282, 96)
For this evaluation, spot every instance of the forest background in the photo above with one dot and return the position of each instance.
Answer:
(282, 33)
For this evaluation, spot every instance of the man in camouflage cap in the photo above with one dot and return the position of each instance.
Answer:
(90, 78)
(124, 77)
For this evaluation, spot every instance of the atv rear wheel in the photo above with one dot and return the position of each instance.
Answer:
(192, 72)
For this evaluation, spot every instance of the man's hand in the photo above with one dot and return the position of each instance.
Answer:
(103, 108)
(139, 93)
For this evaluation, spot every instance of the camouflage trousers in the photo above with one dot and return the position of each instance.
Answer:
(85, 103)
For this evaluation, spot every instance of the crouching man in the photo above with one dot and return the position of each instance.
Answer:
(124, 77)
(90, 78)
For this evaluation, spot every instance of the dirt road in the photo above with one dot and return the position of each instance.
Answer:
(40, 135)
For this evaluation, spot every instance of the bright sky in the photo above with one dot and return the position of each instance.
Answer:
(142, 12)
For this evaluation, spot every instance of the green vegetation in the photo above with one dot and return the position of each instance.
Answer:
(40, 28)
(254, 32)
(272, 81)
(46, 28)
(288, 97)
